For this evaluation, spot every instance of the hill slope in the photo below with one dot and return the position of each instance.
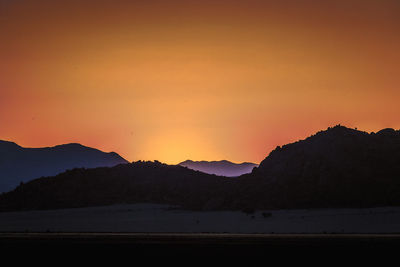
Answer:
(18, 164)
(336, 167)
(138, 182)
(222, 168)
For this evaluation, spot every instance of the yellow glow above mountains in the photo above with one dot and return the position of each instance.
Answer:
(172, 80)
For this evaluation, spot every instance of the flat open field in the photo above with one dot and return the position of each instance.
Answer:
(153, 218)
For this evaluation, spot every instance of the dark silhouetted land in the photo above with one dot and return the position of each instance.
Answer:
(339, 167)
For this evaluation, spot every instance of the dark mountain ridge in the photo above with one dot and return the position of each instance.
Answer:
(222, 167)
(19, 164)
(138, 182)
(336, 167)
(339, 167)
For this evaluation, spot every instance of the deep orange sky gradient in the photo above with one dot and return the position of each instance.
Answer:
(201, 80)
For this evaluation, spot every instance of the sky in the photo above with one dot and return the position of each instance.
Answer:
(201, 80)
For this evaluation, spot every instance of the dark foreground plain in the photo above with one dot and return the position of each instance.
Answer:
(200, 247)
(155, 218)
(179, 239)
(198, 241)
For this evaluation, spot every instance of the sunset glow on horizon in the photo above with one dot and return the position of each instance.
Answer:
(199, 80)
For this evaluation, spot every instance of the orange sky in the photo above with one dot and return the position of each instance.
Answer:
(177, 80)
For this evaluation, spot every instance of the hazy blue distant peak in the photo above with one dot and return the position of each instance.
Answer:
(5, 144)
(19, 164)
(215, 161)
(222, 167)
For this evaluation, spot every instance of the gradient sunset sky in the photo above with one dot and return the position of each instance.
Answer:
(201, 80)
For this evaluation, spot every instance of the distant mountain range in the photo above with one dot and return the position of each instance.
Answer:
(19, 164)
(222, 168)
(338, 167)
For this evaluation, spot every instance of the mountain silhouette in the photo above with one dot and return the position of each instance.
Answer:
(336, 167)
(222, 168)
(339, 167)
(18, 164)
(138, 182)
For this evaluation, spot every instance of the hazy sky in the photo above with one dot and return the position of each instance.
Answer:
(176, 80)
